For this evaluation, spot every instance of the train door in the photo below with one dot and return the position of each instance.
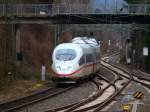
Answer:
(94, 61)
(98, 57)
(89, 63)
(82, 63)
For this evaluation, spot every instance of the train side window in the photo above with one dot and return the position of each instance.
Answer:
(82, 60)
(94, 56)
(89, 58)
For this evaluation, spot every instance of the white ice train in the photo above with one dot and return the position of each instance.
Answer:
(76, 60)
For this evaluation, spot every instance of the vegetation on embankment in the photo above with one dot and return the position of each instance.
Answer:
(35, 49)
(37, 42)
(20, 77)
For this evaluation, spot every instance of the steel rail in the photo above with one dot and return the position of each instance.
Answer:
(74, 107)
(133, 79)
(73, 104)
(109, 100)
(31, 99)
(94, 97)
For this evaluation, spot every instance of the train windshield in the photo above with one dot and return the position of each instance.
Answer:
(65, 54)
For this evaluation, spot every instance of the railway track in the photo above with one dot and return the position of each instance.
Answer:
(143, 81)
(34, 98)
(136, 78)
(28, 101)
(89, 103)
(64, 108)
(95, 102)
(99, 100)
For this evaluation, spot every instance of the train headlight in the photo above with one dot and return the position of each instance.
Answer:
(58, 68)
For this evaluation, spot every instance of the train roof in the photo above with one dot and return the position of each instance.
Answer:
(80, 44)
(69, 45)
(85, 42)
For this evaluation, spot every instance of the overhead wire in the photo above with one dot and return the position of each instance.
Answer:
(96, 21)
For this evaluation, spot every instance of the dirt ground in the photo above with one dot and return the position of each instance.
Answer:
(20, 88)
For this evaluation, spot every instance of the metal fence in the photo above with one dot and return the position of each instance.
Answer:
(50, 10)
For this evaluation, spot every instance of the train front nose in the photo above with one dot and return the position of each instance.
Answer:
(62, 70)
(66, 69)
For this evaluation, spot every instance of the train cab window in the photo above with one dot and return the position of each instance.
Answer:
(89, 58)
(65, 54)
(82, 60)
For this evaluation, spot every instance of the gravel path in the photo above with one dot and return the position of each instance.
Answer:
(71, 96)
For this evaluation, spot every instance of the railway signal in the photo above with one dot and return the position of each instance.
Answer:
(145, 51)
